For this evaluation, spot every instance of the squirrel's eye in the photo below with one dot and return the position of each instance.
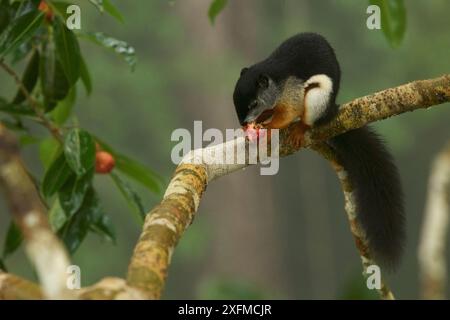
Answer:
(252, 105)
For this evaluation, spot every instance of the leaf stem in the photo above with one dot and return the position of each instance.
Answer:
(54, 130)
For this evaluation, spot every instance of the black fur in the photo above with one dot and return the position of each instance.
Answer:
(302, 56)
(378, 191)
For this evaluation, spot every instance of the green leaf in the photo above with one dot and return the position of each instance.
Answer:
(79, 149)
(393, 20)
(5, 17)
(13, 240)
(215, 8)
(75, 229)
(56, 216)
(21, 29)
(48, 151)
(112, 10)
(22, 7)
(27, 139)
(60, 7)
(54, 83)
(64, 108)
(130, 195)
(14, 109)
(15, 125)
(72, 194)
(100, 222)
(68, 51)
(103, 227)
(88, 217)
(21, 52)
(29, 77)
(134, 169)
(107, 6)
(122, 48)
(56, 176)
(85, 76)
(139, 173)
(98, 4)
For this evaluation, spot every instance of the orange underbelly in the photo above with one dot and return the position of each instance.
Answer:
(282, 117)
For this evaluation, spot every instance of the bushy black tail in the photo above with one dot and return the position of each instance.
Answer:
(378, 192)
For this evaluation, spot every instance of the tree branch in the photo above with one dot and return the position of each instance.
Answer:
(16, 288)
(43, 248)
(431, 253)
(165, 224)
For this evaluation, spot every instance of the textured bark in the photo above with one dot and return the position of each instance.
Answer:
(16, 288)
(45, 251)
(432, 245)
(163, 228)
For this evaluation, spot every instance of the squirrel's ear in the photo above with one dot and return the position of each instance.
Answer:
(318, 91)
(244, 70)
(263, 81)
(321, 82)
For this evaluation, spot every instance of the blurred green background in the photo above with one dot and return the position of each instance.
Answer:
(282, 236)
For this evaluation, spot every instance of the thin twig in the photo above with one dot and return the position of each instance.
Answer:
(55, 131)
(432, 245)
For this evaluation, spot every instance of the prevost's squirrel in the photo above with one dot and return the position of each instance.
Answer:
(299, 83)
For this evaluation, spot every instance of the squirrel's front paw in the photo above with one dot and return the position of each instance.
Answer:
(297, 135)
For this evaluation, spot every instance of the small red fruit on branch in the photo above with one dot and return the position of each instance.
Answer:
(104, 162)
(44, 7)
